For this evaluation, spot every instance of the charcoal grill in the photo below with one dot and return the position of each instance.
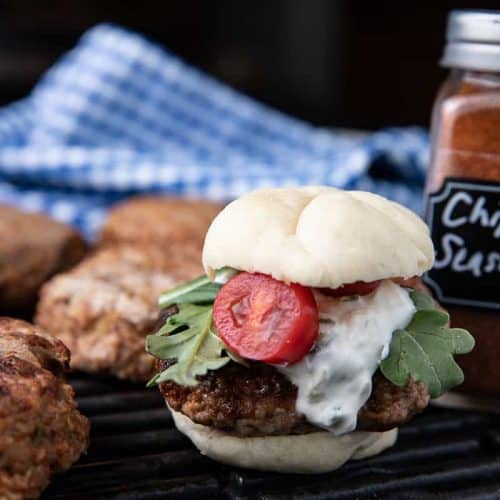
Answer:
(136, 453)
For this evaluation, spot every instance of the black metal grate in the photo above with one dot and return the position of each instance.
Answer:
(136, 453)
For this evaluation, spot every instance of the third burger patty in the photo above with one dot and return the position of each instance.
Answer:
(260, 401)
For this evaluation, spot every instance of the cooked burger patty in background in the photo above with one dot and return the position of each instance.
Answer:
(33, 248)
(155, 220)
(41, 429)
(103, 309)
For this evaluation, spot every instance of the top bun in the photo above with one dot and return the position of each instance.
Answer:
(318, 236)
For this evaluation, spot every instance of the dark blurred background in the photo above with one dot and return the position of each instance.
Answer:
(347, 63)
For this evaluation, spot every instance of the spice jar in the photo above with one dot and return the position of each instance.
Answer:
(463, 191)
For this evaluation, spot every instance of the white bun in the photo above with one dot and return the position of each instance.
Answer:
(304, 454)
(318, 236)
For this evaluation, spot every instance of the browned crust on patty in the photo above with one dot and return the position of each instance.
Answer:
(259, 401)
(103, 309)
(391, 406)
(155, 220)
(41, 429)
(33, 247)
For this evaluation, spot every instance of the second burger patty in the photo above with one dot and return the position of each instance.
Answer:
(260, 401)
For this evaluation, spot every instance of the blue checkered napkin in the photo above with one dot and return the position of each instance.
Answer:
(119, 115)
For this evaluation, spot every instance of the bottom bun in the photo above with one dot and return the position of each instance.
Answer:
(312, 453)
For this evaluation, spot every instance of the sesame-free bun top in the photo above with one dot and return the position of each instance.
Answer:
(318, 236)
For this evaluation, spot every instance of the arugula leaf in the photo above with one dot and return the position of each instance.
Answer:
(424, 349)
(422, 300)
(196, 347)
(187, 339)
(198, 291)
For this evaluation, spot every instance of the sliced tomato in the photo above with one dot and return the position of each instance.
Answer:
(357, 288)
(264, 319)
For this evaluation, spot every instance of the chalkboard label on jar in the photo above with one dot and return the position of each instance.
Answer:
(464, 218)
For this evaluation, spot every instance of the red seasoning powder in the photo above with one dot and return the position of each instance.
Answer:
(467, 129)
(463, 193)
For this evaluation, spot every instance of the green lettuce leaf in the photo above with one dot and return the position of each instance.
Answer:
(198, 291)
(187, 337)
(422, 300)
(424, 350)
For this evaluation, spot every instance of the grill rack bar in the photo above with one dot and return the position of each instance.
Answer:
(137, 454)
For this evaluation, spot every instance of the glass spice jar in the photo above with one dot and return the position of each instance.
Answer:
(463, 192)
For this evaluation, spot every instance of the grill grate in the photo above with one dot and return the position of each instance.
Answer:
(136, 453)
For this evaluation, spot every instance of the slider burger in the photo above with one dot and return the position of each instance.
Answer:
(310, 339)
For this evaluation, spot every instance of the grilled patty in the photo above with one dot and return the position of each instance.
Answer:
(41, 429)
(260, 401)
(176, 224)
(32, 249)
(104, 308)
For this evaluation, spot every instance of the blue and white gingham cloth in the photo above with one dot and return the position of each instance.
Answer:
(119, 115)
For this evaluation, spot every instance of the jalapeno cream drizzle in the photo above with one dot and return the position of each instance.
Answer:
(335, 379)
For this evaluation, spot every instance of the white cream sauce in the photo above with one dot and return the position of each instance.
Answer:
(335, 379)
